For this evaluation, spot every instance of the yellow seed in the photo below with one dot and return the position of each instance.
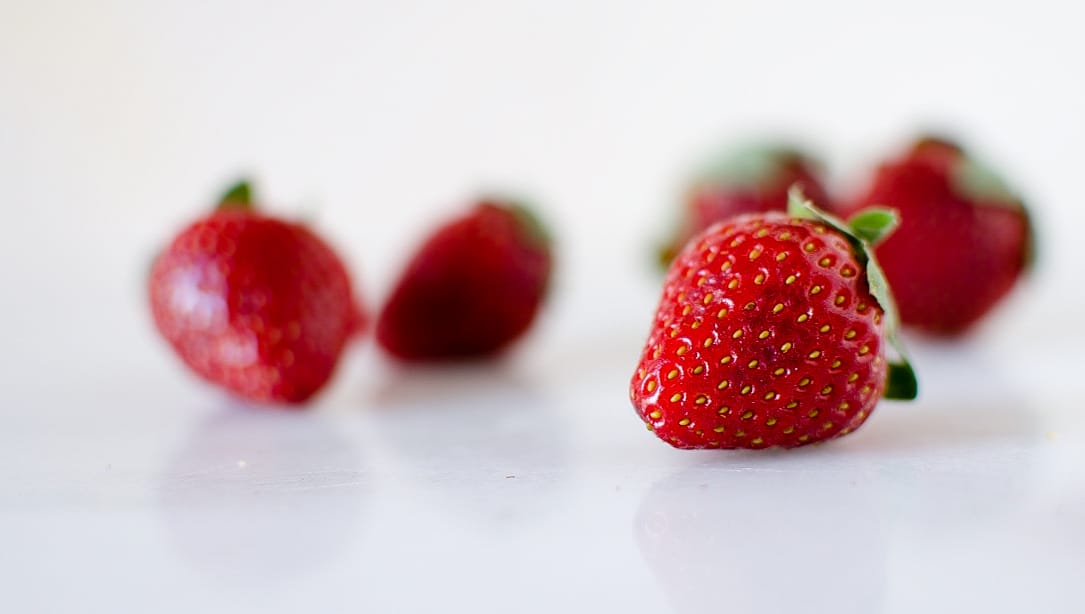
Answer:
(686, 310)
(655, 415)
(814, 354)
(732, 284)
(640, 373)
(682, 349)
(746, 389)
(802, 318)
(701, 400)
(759, 279)
(683, 422)
(824, 328)
(707, 298)
(770, 422)
(779, 371)
(844, 405)
(804, 438)
(781, 256)
(827, 425)
(699, 369)
(826, 390)
(758, 441)
(751, 364)
(696, 324)
(862, 414)
(750, 306)
(700, 282)
(723, 384)
(809, 247)
(815, 290)
(853, 377)
(790, 279)
(764, 335)
(674, 333)
(725, 360)
(847, 271)
(785, 347)
(649, 426)
(826, 261)
(721, 312)
(740, 434)
(789, 430)
(707, 341)
(770, 396)
(755, 253)
(845, 430)
(836, 364)
(657, 352)
(699, 432)
(651, 385)
(726, 265)
(861, 307)
(804, 381)
(840, 299)
(681, 297)
(736, 242)
(850, 334)
(792, 405)
(865, 390)
(736, 334)
(785, 235)
(718, 429)
(672, 374)
(723, 411)
(747, 415)
(764, 232)
(864, 350)
(676, 397)
(777, 308)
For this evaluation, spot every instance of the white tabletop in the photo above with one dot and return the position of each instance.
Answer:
(526, 484)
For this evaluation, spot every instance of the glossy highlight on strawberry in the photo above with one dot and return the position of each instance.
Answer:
(257, 305)
(473, 288)
(771, 331)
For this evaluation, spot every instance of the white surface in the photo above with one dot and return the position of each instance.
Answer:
(529, 485)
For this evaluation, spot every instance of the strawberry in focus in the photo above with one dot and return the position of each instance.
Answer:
(963, 242)
(259, 306)
(748, 180)
(771, 331)
(472, 288)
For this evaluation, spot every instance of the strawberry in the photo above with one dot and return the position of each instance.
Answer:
(964, 241)
(771, 332)
(472, 288)
(260, 306)
(748, 180)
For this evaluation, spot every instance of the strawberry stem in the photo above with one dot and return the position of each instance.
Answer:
(238, 196)
(863, 230)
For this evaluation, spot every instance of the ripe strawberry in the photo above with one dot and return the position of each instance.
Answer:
(749, 180)
(257, 305)
(771, 332)
(964, 240)
(472, 288)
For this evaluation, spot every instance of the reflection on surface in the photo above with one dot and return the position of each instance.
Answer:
(262, 495)
(478, 436)
(777, 538)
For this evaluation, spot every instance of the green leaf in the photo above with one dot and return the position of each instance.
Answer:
(239, 196)
(902, 383)
(874, 224)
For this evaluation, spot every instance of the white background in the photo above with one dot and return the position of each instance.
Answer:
(127, 485)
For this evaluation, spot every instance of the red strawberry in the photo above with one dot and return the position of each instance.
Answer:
(472, 288)
(749, 180)
(771, 332)
(257, 305)
(964, 240)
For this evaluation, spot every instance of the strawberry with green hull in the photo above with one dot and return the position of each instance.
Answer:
(964, 239)
(473, 288)
(259, 306)
(748, 180)
(772, 332)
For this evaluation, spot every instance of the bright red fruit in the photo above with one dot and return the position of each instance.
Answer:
(964, 237)
(749, 180)
(771, 332)
(257, 305)
(474, 286)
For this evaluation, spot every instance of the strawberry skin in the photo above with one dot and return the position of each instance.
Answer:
(766, 335)
(748, 180)
(472, 288)
(257, 305)
(964, 239)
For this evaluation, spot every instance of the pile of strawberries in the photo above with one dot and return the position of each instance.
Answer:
(777, 325)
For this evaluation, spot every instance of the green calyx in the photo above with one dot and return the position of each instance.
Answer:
(863, 231)
(237, 197)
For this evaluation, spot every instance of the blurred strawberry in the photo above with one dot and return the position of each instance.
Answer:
(964, 238)
(260, 306)
(748, 180)
(473, 287)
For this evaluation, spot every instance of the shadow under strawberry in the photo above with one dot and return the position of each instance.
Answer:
(254, 498)
(760, 532)
(477, 436)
